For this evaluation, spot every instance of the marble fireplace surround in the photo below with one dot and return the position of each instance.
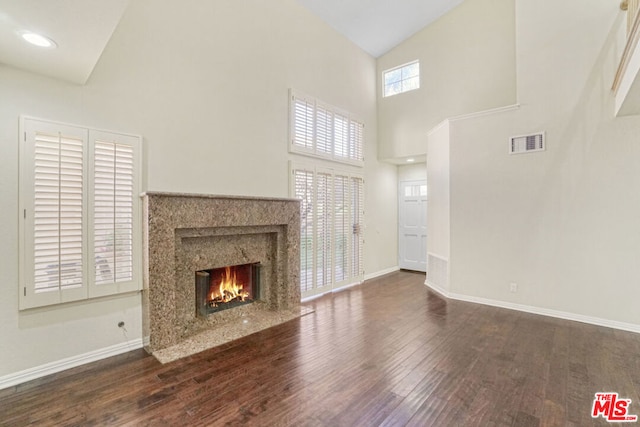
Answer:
(189, 232)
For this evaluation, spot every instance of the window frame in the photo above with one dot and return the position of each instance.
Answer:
(28, 297)
(402, 80)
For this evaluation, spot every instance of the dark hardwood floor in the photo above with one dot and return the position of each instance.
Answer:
(387, 353)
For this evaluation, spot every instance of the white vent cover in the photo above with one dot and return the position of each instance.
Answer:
(437, 272)
(526, 143)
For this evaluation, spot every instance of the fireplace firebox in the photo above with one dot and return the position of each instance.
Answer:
(227, 287)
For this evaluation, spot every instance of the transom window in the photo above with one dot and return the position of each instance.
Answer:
(402, 79)
(318, 129)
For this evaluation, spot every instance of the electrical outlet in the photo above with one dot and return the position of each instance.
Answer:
(513, 287)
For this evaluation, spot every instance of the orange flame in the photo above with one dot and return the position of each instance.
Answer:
(228, 290)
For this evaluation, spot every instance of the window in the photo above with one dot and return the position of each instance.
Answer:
(332, 215)
(321, 130)
(79, 219)
(402, 79)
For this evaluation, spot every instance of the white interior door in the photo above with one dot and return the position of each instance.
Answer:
(412, 231)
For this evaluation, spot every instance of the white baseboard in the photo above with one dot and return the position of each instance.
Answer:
(630, 327)
(436, 288)
(70, 362)
(381, 273)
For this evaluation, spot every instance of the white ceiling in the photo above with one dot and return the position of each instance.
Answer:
(82, 28)
(379, 25)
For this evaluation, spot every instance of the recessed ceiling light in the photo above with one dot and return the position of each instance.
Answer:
(38, 40)
(411, 160)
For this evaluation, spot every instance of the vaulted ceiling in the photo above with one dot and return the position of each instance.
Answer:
(379, 25)
(82, 28)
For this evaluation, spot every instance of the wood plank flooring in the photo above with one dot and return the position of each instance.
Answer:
(387, 353)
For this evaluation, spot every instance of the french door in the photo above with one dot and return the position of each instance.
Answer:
(331, 222)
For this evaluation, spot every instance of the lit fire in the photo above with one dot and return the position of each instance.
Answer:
(228, 290)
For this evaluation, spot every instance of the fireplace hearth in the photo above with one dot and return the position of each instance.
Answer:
(189, 236)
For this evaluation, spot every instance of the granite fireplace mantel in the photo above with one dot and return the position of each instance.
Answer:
(184, 233)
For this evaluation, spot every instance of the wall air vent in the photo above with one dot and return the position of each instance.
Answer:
(526, 143)
(438, 272)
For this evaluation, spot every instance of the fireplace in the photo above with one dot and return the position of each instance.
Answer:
(219, 289)
(191, 235)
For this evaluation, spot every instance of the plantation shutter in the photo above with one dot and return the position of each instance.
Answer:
(324, 130)
(332, 214)
(320, 130)
(324, 240)
(341, 136)
(302, 122)
(114, 202)
(80, 219)
(53, 174)
(342, 232)
(357, 221)
(356, 140)
(303, 189)
(58, 227)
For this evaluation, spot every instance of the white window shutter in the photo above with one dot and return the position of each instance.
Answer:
(332, 213)
(357, 218)
(303, 184)
(341, 135)
(302, 122)
(356, 141)
(113, 213)
(324, 130)
(342, 229)
(320, 130)
(53, 201)
(80, 213)
(324, 232)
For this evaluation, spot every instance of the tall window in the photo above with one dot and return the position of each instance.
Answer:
(321, 130)
(80, 219)
(332, 214)
(401, 79)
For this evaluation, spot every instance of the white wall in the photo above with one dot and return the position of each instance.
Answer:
(467, 64)
(563, 223)
(205, 83)
(412, 172)
(438, 190)
(34, 337)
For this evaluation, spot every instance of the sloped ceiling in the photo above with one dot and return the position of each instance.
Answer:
(82, 29)
(379, 25)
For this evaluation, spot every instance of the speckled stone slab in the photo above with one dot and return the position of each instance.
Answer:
(228, 332)
(185, 233)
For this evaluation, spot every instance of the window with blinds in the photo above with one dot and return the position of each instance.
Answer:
(357, 220)
(304, 185)
(332, 210)
(79, 228)
(113, 212)
(321, 130)
(324, 231)
(58, 226)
